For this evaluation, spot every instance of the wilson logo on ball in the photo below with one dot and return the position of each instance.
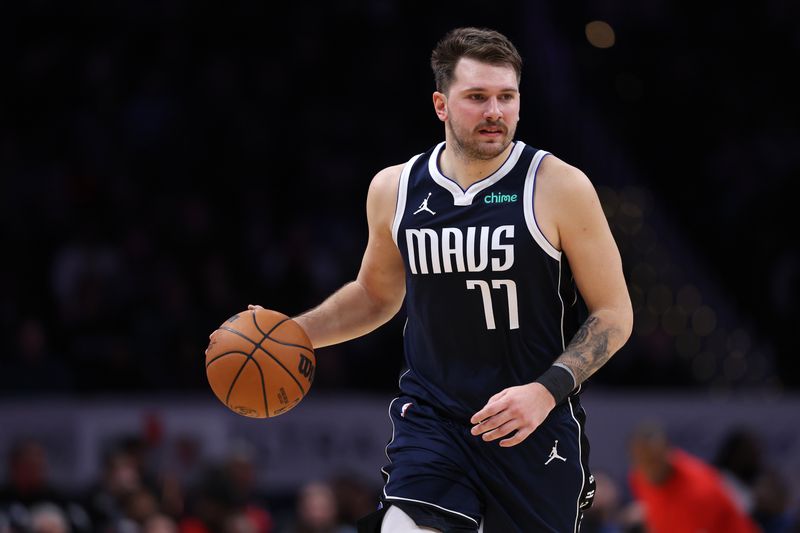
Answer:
(306, 367)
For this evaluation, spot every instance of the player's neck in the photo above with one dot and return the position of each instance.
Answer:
(466, 170)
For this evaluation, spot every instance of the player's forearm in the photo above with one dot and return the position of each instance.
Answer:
(348, 313)
(603, 333)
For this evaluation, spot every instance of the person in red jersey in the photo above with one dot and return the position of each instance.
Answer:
(678, 491)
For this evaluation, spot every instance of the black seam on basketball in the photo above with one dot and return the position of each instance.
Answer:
(283, 367)
(232, 352)
(258, 345)
(239, 333)
(263, 384)
(239, 373)
(306, 348)
(241, 369)
(266, 334)
(275, 326)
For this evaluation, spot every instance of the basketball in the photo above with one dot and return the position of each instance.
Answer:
(260, 363)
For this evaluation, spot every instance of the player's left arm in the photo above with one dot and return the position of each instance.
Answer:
(594, 258)
(580, 229)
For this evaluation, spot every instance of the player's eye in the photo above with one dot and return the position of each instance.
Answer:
(477, 97)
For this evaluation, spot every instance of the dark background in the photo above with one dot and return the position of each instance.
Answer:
(162, 165)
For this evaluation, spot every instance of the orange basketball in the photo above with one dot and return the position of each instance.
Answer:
(260, 363)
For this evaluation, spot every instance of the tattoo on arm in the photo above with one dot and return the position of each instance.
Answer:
(589, 349)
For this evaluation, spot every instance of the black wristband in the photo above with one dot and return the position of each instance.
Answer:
(558, 381)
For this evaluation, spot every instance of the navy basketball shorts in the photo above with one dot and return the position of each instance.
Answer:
(438, 467)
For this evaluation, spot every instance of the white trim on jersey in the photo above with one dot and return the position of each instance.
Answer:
(530, 216)
(386, 450)
(402, 192)
(563, 308)
(465, 197)
(580, 461)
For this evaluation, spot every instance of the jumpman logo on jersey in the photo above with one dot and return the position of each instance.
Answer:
(424, 206)
(554, 454)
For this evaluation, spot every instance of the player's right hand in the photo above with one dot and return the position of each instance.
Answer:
(518, 409)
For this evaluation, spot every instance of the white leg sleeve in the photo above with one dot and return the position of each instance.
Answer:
(396, 521)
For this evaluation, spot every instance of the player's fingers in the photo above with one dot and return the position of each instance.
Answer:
(490, 409)
(493, 422)
(502, 431)
(250, 307)
(520, 436)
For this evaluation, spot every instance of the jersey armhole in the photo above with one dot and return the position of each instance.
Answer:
(530, 215)
(402, 192)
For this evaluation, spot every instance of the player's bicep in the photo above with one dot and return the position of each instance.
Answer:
(382, 272)
(591, 250)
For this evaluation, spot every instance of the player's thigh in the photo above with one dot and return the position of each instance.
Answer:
(397, 521)
(415, 518)
(429, 465)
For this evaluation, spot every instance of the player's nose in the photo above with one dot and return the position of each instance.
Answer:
(493, 111)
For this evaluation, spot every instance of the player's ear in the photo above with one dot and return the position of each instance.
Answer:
(440, 105)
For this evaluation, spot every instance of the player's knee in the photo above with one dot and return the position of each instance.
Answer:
(397, 521)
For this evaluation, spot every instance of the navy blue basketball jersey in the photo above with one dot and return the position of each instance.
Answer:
(490, 302)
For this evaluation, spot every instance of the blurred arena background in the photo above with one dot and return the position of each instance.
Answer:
(164, 164)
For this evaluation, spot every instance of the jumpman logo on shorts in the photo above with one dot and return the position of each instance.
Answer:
(424, 206)
(554, 454)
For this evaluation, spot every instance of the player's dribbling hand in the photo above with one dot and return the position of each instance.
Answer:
(521, 409)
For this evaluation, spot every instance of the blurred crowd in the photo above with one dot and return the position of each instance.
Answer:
(159, 175)
(672, 491)
(668, 491)
(131, 496)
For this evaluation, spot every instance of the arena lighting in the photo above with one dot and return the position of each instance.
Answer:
(689, 298)
(687, 344)
(674, 310)
(704, 321)
(734, 367)
(704, 366)
(659, 298)
(673, 320)
(600, 34)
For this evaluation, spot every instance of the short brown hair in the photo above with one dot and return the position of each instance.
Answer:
(480, 44)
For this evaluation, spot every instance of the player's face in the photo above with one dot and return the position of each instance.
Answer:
(481, 109)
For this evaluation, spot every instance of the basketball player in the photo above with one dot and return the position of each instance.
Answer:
(489, 241)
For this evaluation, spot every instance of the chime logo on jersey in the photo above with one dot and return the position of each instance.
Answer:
(454, 250)
(499, 198)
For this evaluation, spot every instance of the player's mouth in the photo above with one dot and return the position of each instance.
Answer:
(492, 132)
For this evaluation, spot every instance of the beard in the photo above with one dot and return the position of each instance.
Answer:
(466, 144)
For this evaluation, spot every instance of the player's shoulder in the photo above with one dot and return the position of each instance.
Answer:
(387, 177)
(382, 195)
(384, 184)
(561, 181)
